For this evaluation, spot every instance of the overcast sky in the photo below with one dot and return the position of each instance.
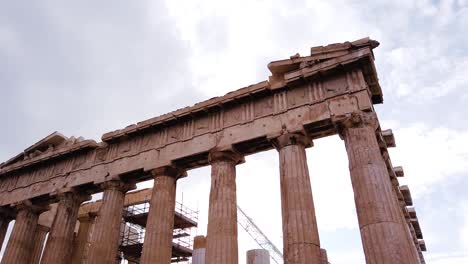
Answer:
(88, 67)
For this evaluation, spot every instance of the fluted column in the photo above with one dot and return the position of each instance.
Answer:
(5, 218)
(382, 231)
(157, 248)
(221, 245)
(105, 238)
(39, 240)
(82, 240)
(300, 234)
(21, 243)
(59, 244)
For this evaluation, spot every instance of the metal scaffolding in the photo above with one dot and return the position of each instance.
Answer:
(133, 229)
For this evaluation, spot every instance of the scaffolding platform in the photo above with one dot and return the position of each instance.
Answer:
(133, 252)
(180, 220)
(134, 225)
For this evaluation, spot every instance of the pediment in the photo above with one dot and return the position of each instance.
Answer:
(44, 146)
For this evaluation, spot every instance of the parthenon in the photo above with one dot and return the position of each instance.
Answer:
(332, 91)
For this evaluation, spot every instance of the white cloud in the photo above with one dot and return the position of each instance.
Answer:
(464, 231)
(448, 258)
(429, 155)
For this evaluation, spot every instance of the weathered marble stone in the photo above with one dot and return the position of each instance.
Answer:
(160, 224)
(105, 239)
(382, 231)
(221, 245)
(59, 246)
(301, 242)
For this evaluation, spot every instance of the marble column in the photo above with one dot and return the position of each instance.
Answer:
(39, 241)
(105, 239)
(5, 219)
(382, 231)
(221, 245)
(157, 248)
(21, 243)
(82, 240)
(59, 244)
(301, 242)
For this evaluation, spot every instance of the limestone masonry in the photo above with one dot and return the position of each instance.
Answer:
(331, 91)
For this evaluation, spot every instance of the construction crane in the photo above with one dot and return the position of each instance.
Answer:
(262, 240)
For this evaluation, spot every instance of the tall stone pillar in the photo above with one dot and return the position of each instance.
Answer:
(5, 218)
(221, 245)
(301, 242)
(105, 239)
(21, 243)
(82, 240)
(157, 248)
(59, 244)
(382, 231)
(39, 240)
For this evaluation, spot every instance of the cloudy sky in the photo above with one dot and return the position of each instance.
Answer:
(88, 67)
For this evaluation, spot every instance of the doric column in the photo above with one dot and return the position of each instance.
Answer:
(6, 216)
(300, 234)
(382, 231)
(105, 239)
(157, 248)
(39, 240)
(21, 243)
(59, 244)
(82, 240)
(221, 245)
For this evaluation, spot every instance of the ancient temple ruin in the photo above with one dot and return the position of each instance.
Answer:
(331, 91)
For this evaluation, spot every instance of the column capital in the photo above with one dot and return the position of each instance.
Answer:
(27, 205)
(288, 139)
(73, 195)
(170, 171)
(118, 185)
(225, 155)
(355, 120)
